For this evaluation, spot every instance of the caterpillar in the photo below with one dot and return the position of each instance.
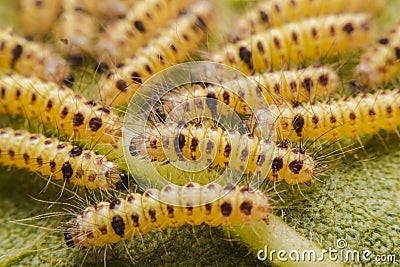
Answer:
(121, 38)
(162, 51)
(60, 107)
(114, 8)
(171, 207)
(77, 28)
(346, 117)
(246, 153)
(381, 62)
(59, 160)
(278, 87)
(273, 13)
(37, 16)
(31, 58)
(295, 42)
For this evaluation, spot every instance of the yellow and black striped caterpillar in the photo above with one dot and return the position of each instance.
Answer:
(60, 107)
(59, 160)
(272, 13)
(295, 42)
(246, 153)
(381, 62)
(171, 46)
(346, 117)
(278, 87)
(171, 207)
(121, 38)
(31, 58)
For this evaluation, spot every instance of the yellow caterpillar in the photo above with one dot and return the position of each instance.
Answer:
(272, 13)
(381, 62)
(37, 16)
(58, 106)
(171, 207)
(77, 28)
(31, 58)
(246, 153)
(295, 42)
(121, 38)
(346, 117)
(59, 160)
(278, 87)
(172, 46)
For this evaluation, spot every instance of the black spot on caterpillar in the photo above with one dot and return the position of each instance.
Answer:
(172, 46)
(272, 13)
(58, 106)
(31, 58)
(295, 42)
(346, 117)
(121, 38)
(59, 160)
(381, 62)
(171, 207)
(38, 16)
(246, 153)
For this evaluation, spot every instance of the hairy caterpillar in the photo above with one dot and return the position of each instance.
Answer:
(229, 149)
(59, 160)
(295, 42)
(272, 13)
(59, 106)
(380, 62)
(162, 51)
(121, 38)
(114, 8)
(38, 16)
(346, 117)
(77, 28)
(300, 85)
(31, 58)
(171, 207)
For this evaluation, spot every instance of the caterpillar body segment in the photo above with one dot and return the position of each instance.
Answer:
(349, 117)
(114, 8)
(58, 106)
(293, 43)
(171, 46)
(59, 160)
(380, 62)
(37, 16)
(272, 13)
(121, 38)
(154, 210)
(77, 28)
(246, 153)
(31, 58)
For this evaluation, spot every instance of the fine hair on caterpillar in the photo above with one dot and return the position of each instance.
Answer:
(267, 14)
(59, 160)
(59, 107)
(172, 206)
(296, 42)
(171, 46)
